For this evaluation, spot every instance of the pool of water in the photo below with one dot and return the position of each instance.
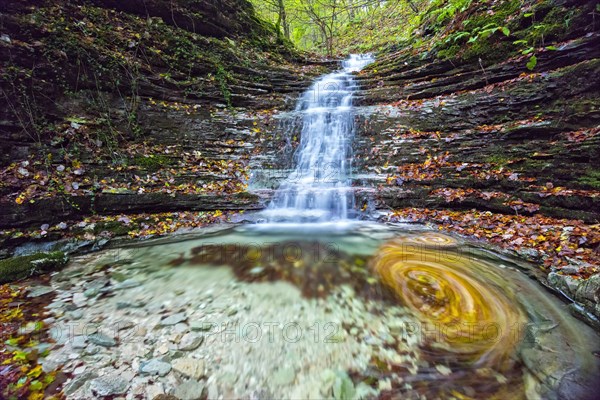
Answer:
(324, 310)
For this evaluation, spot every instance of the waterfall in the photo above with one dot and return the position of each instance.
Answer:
(319, 188)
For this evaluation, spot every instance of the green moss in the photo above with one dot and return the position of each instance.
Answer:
(591, 178)
(153, 162)
(116, 227)
(15, 268)
(497, 159)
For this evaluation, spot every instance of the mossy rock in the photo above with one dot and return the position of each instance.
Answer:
(12, 269)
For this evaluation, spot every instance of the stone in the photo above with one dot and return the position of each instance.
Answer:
(76, 314)
(190, 342)
(201, 326)
(101, 339)
(38, 291)
(109, 385)
(190, 390)
(191, 367)
(155, 367)
(173, 319)
(79, 381)
(79, 299)
(79, 342)
(283, 376)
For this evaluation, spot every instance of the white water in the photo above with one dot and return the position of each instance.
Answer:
(319, 189)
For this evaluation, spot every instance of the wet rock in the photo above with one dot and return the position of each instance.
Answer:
(191, 367)
(190, 390)
(109, 385)
(101, 339)
(155, 367)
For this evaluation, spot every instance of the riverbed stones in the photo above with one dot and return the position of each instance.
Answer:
(155, 367)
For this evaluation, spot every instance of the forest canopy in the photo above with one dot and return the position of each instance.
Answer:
(330, 26)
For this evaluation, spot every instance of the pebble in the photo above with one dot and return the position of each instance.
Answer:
(109, 385)
(201, 326)
(190, 390)
(79, 381)
(102, 340)
(79, 342)
(190, 342)
(191, 367)
(155, 367)
(173, 319)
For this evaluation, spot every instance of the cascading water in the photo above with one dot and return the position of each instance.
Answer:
(319, 187)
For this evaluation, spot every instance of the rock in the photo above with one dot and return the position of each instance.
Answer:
(38, 291)
(190, 342)
(79, 342)
(109, 385)
(79, 381)
(155, 367)
(165, 397)
(284, 376)
(76, 314)
(190, 390)
(91, 350)
(173, 319)
(79, 299)
(91, 292)
(201, 326)
(102, 340)
(191, 367)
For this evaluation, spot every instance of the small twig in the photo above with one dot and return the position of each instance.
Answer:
(484, 73)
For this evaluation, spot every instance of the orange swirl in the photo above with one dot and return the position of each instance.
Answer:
(458, 298)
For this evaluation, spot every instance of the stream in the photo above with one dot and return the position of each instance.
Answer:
(314, 304)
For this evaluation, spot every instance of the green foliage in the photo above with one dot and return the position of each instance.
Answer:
(531, 63)
(223, 77)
